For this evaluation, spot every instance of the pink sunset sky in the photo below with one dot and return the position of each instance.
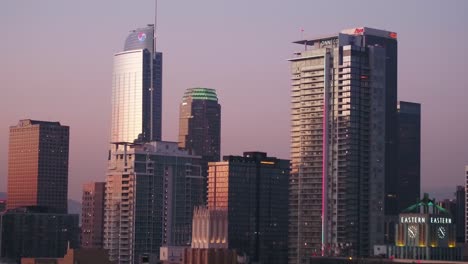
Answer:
(56, 64)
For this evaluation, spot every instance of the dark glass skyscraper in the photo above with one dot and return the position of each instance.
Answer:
(254, 190)
(409, 154)
(343, 142)
(137, 89)
(460, 213)
(200, 123)
(38, 165)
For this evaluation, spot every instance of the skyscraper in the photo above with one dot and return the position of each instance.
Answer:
(92, 215)
(343, 142)
(200, 123)
(151, 191)
(254, 190)
(466, 203)
(38, 165)
(460, 209)
(409, 154)
(137, 89)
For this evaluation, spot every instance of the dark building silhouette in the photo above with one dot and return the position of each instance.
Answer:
(3, 204)
(409, 154)
(37, 232)
(408, 167)
(38, 165)
(254, 190)
(200, 123)
(459, 214)
(92, 215)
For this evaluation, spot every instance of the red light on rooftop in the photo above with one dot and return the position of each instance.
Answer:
(393, 35)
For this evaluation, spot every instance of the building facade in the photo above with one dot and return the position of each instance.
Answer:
(92, 215)
(137, 89)
(209, 228)
(343, 142)
(253, 188)
(38, 165)
(37, 232)
(409, 154)
(151, 191)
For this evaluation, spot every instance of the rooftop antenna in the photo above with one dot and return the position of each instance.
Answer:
(153, 60)
(302, 38)
(155, 24)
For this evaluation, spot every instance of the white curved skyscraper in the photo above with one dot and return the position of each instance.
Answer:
(137, 89)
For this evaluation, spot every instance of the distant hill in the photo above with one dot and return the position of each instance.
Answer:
(74, 207)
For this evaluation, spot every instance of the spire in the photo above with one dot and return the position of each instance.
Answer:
(155, 25)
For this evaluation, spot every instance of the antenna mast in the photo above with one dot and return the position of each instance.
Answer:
(155, 24)
(153, 61)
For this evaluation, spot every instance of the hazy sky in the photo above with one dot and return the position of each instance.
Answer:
(56, 64)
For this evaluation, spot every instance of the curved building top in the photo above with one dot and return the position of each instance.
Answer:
(140, 38)
(199, 93)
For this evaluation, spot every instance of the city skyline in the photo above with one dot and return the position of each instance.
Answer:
(190, 49)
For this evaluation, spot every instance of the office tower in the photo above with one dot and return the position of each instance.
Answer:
(200, 123)
(38, 165)
(151, 190)
(409, 154)
(92, 215)
(137, 89)
(35, 231)
(342, 142)
(460, 209)
(253, 188)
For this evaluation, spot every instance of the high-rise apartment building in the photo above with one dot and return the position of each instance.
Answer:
(460, 211)
(92, 215)
(409, 154)
(151, 191)
(137, 89)
(343, 142)
(200, 123)
(38, 165)
(253, 188)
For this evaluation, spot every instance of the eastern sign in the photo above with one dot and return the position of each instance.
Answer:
(412, 220)
(440, 220)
